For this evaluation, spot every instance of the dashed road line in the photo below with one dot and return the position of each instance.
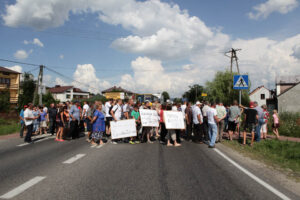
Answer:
(255, 178)
(74, 158)
(46, 138)
(22, 187)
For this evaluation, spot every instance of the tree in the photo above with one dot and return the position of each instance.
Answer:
(4, 100)
(27, 88)
(221, 89)
(165, 95)
(194, 93)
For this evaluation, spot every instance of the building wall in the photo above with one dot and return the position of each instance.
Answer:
(63, 97)
(289, 101)
(13, 87)
(257, 96)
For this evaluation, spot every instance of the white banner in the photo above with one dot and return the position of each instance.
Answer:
(123, 128)
(174, 120)
(149, 118)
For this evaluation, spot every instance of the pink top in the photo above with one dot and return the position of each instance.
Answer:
(161, 115)
(276, 120)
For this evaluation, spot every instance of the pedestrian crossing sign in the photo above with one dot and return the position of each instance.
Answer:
(240, 82)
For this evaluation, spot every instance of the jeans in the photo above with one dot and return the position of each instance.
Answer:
(22, 129)
(212, 131)
(220, 130)
(257, 129)
(29, 133)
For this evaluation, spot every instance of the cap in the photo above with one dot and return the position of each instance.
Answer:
(25, 106)
(198, 103)
(251, 104)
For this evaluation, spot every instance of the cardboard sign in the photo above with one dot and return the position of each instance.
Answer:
(174, 120)
(123, 128)
(149, 118)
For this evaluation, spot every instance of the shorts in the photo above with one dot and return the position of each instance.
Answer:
(264, 128)
(231, 126)
(275, 126)
(250, 127)
(108, 120)
(43, 124)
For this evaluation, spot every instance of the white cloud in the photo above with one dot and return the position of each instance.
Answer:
(296, 51)
(263, 10)
(16, 68)
(85, 78)
(59, 81)
(35, 41)
(61, 56)
(22, 54)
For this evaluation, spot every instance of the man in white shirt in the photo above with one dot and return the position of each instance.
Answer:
(198, 123)
(108, 117)
(205, 123)
(29, 117)
(221, 113)
(212, 120)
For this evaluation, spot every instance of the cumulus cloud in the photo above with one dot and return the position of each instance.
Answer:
(263, 10)
(85, 78)
(35, 41)
(296, 51)
(22, 54)
(16, 68)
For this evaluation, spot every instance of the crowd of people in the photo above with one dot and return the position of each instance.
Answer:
(204, 122)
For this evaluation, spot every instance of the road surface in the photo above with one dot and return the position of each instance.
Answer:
(73, 170)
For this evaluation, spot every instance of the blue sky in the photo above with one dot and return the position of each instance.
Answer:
(150, 46)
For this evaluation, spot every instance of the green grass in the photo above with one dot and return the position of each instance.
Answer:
(8, 126)
(284, 155)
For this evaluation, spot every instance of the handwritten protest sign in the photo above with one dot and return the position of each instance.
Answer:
(174, 120)
(149, 118)
(123, 129)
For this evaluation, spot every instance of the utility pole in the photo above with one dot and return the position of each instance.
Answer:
(39, 86)
(233, 57)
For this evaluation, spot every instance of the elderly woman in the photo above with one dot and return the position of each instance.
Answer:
(98, 125)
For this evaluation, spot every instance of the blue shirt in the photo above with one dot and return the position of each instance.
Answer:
(22, 115)
(75, 112)
(43, 116)
(99, 124)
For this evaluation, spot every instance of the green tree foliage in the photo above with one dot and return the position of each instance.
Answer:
(47, 99)
(97, 97)
(27, 87)
(4, 100)
(194, 93)
(165, 95)
(221, 89)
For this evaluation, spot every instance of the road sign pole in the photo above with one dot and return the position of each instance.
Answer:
(240, 102)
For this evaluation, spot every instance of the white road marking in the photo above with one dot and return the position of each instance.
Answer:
(100, 146)
(46, 138)
(22, 187)
(258, 180)
(73, 159)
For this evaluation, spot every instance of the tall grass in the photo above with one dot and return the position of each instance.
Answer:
(8, 126)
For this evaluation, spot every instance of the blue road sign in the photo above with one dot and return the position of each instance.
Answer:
(240, 82)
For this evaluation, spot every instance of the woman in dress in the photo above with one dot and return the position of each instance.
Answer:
(275, 124)
(62, 120)
(98, 125)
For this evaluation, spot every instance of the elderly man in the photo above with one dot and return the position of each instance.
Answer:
(221, 114)
(75, 119)
(29, 117)
(198, 123)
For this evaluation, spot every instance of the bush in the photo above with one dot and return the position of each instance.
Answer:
(289, 124)
(4, 101)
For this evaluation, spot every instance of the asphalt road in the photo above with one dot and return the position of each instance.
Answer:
(73, 170)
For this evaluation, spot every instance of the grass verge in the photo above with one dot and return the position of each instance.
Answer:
(8, 126)
(283, 155)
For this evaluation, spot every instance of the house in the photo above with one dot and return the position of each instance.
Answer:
(68, 93)
(288, 100)
(284, 83)
(10, 81)
(260, 95)
(118, 93)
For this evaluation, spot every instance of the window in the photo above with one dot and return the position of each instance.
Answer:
(68, 96)
(262, 96)
(5, 81)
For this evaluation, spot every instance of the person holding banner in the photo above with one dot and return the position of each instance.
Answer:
(116, 113)
(146, 130)
(172, 133)
(136, 115)
(98, 125)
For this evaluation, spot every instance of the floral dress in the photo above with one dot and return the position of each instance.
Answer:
(98, 126)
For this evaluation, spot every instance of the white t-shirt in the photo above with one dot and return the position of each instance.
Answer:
(107, 106)
(117, 111)
(174, 108)
(85, 108)
(28, 113)
(204, 110)
(211, 113)
(45, 109)
(183, 107)
(196, 111)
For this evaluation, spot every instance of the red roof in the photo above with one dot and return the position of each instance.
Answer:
(119, 89)
(3, 69)
(59, 89)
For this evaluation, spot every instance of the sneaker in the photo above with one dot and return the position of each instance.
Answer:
(131, 142)
(211, 146)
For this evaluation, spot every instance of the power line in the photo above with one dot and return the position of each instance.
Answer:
(17, 62)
